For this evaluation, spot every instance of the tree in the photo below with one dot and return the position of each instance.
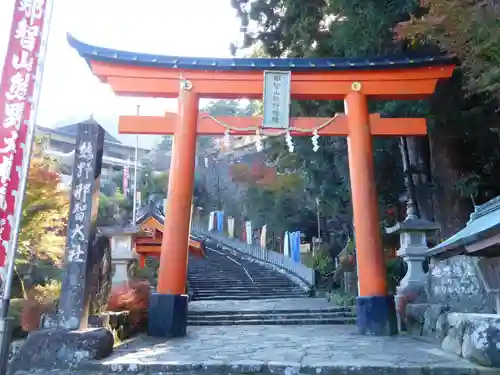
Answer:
(317, 29)
(115, 209)
(463, 142)
(222, 192)
(165, 143)
(44, 216)
(468, 29)
(460, 151)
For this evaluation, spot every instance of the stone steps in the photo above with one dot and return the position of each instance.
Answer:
(240, 278)
(226, 276)
(281, 322)
(271, 311)
(279, 316)
(269, 317)
(229, 291)
(273, 316)
(229, 283)
(222, 297)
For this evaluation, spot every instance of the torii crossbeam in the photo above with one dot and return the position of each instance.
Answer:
(240, 125)
(351, 80)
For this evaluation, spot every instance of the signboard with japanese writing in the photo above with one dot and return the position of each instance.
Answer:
(73, 305)
(18, 98)
(277, 87)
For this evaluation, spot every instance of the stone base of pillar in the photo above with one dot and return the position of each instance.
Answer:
(376, 316)
(47, 350)
(167, 315)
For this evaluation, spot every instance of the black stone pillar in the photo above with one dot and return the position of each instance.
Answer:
(75, 295)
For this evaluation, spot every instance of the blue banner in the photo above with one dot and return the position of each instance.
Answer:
(220, 221)
(295, 246)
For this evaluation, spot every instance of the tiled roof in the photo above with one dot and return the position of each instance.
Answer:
(484, 223)
(95, 53)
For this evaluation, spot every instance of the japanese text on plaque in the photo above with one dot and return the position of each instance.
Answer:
(276, 99)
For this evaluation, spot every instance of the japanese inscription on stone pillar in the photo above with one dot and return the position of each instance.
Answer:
(74, 302)
(276, 99)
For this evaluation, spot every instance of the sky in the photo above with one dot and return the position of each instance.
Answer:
(203, 28)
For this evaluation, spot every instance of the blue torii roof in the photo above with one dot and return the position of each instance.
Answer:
(95, 53)
(484, 223)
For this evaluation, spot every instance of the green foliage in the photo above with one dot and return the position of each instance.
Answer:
(322, 262)
(322, 29)
(48, 293)
(341, 299)
(468, 29)
(15, 312)
(115, 209)
(463, 141)
(147, 273)
(45, 211)
(151, 183)
(39, 300)
(395, 270)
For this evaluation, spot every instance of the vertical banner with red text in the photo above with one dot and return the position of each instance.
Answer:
(17, 106)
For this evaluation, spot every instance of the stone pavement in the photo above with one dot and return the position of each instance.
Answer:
(276, 350)
(282, 350)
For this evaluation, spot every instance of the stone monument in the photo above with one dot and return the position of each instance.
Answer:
(75, 297)
(86, 274)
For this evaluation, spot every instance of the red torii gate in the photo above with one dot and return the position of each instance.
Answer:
(189, 79)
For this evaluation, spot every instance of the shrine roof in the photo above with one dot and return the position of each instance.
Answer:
(153, 209)
(102, 54)
(483, 224)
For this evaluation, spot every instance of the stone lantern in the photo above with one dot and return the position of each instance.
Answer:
(122, 251)
(413, 233)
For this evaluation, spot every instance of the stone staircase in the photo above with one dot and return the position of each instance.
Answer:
(228, 289)
(334, 315)
(224, 276)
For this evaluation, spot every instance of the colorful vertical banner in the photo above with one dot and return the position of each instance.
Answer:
(18, 100)
(211, 221)
(220, 221)
(295, 245)
(126, 177)
(248, 232)
(244, 232)
(263, 235)
(138, 198)
(230, 226)
(286, 244)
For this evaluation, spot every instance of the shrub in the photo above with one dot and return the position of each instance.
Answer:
(322, 262)
(42, 299)
(341, 299)
(48, 293)
(32, 314)
(134, 298)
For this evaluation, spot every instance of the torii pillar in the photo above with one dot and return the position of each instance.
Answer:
(169, 305)
(351, 80)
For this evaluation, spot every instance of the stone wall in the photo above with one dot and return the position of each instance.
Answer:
(475, 337)
(456, 283)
